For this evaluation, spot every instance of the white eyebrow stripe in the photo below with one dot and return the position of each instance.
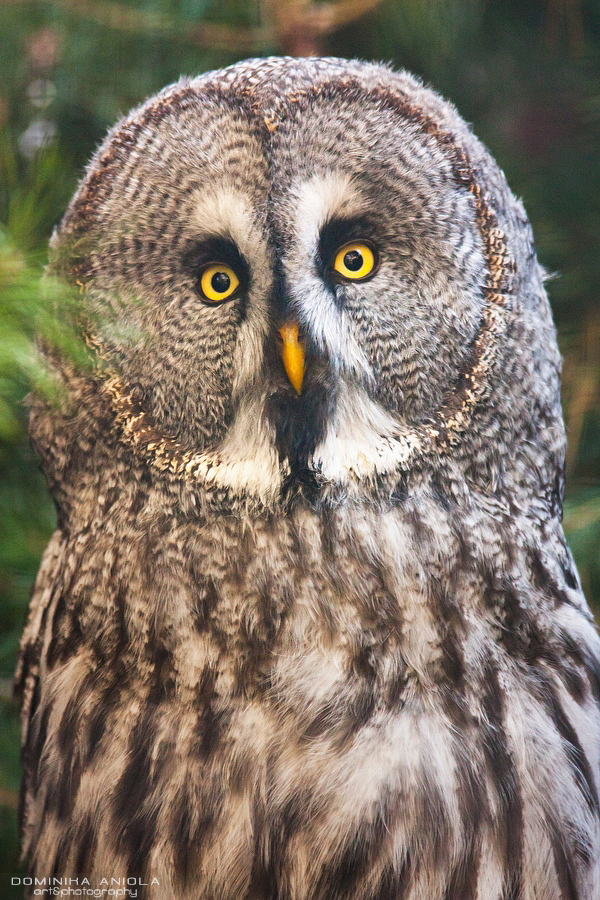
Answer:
(321, 198)
(231, 214)
(311, 205)
(228, 213)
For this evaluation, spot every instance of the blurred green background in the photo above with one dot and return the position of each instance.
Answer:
(525, 72)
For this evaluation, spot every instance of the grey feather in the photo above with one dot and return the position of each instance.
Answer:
(322, 646)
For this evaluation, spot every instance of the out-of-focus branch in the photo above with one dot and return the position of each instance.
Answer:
(564, 18)
(117, 15)
(289, 25)
(581, 380)
(126, 18)
(226, 37)
(299, 26)
(9, 798)
(327, 17)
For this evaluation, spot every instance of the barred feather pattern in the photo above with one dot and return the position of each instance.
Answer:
(312, 722)
(375, 683)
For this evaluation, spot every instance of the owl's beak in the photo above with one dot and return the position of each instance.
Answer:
(293, 355)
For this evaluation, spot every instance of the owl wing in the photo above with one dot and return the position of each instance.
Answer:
(46, 595)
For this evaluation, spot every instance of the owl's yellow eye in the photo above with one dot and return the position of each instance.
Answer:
(218, 282)
(355, 261)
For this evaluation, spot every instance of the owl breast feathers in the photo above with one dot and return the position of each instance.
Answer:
(308, 628)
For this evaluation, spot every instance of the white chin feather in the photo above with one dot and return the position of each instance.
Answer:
(362, 440)
(247, 461)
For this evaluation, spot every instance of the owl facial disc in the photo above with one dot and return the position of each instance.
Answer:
(307, 315)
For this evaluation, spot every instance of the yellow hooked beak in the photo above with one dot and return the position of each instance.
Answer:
(293, 355)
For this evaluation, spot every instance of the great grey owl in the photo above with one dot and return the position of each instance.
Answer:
(308, 628)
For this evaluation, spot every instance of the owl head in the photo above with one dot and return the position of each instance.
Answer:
(308, 279)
